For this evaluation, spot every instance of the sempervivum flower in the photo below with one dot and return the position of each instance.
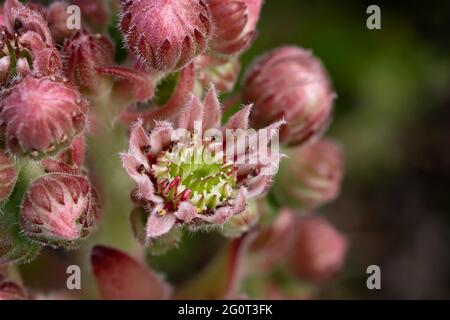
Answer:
(222, 73)
(166, 34)
(311, 176)
(234, 24)
(8, 175)
(84, 52)
(59, 209)
(290, 82)
(38, 116)
(318, 251)
(195, 179)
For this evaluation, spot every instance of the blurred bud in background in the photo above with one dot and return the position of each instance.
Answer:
(59, 209)
(166, 35)
(318, 251)
(310, 176)
(234, 25)
(290, 83)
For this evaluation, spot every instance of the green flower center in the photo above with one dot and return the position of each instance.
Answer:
(189, 172)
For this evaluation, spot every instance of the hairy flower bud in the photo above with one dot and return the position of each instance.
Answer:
(234, 25)
(85, 53)
(59, 209)
(38, 116)
(290, 83)
(318, 251)
(57, 18)
(311, 175)
(8, 175)
(166, 34)
(186, 180)
(222, 73)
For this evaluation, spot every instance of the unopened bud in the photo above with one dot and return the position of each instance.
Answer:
(310, 176)
(318, 251)
(290, 83)
(166, 35)
(39, 116)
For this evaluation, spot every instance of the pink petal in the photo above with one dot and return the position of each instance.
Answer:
(240, 119)
(121, 277)
(158, 225)
(212, 112)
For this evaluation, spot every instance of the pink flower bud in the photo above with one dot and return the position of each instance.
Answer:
(59, 209)
(121, 277)
(57, 17)
(318, 251)
(290, 83)
(4, 69)
(234, 24)
(11, 291)
(39, 116)
(166, 34)
(310, 176)
(84, 53)
(222, 73)
(8, 175)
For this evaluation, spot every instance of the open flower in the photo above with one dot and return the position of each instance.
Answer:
(184, 177)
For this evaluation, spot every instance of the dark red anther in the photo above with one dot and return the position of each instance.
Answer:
(174, 184)
(185, 195)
